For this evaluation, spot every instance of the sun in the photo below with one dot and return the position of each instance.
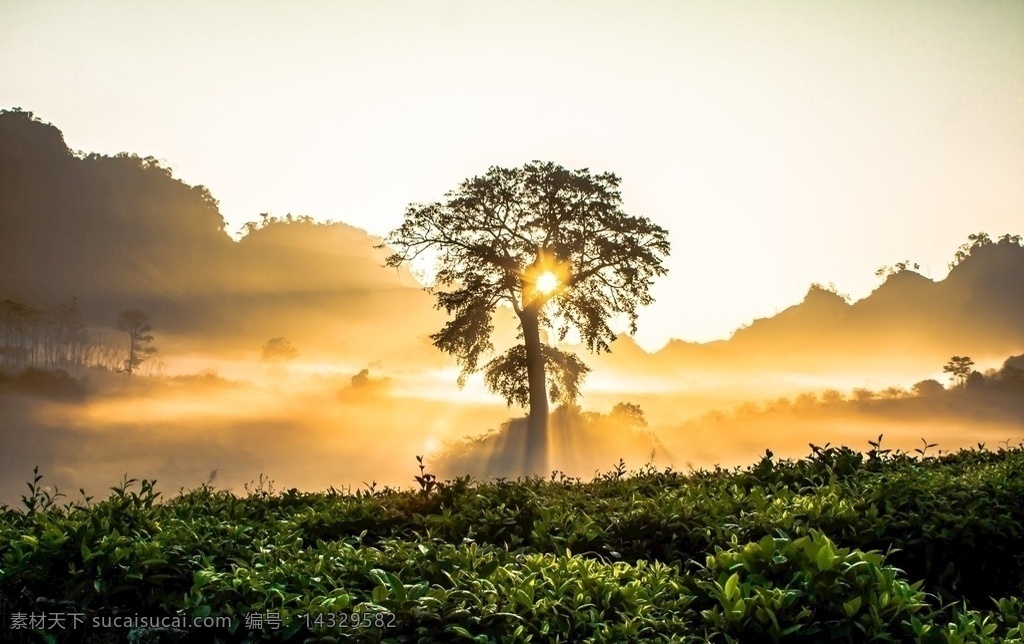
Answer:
(546, 282)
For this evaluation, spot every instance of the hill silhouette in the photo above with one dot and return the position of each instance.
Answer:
(122, 232)
(908, 323)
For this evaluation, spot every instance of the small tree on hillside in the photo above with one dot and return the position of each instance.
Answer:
(974, 242)
(887, 271)
(959, 369)
(136, 324)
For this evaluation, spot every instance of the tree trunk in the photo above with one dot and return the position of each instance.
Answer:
(536, 456)
(131, 353)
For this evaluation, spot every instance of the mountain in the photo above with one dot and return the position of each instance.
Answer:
(122, 232)
(908, 322)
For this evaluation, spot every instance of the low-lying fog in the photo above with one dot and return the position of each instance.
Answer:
(309, 429)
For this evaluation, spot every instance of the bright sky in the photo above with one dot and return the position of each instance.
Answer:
(781, 143)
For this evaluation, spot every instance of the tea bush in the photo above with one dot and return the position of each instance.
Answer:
(839, 546)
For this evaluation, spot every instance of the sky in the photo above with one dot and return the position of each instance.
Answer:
(780, 143)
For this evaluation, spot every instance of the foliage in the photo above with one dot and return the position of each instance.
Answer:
(53, 338)
(930, 387)
(267, 220)
(136, 324)
(888, 271)
(495, 235)
(51, 384)
(981, 240)
(278, 350)
(959, 369)
(507, 375)
(839, 546)
(628, 415)
(829, 288)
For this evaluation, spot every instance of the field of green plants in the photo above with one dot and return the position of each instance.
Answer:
(839, 546)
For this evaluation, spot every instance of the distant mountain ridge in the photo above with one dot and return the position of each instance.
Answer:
(121, 232)
(978, 309)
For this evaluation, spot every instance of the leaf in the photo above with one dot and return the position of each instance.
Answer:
(826, 558)
(732, 589)
(458, 630)
(397, 587)
(488, 568)
(851, 607)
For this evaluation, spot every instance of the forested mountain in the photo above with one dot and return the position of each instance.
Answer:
(908, 321)
(122, 232)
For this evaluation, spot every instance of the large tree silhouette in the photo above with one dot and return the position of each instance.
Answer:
(553, 245)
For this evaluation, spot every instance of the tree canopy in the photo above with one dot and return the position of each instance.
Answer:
(278, 350)
(959, 369)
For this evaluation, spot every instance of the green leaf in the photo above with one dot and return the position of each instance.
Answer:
(826, 558)
(851, 607)
(488, 568)
(732, 590)
(397, 588)
(379, 594)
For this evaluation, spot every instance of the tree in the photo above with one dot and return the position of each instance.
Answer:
(66, 336)
(136, 324)
(628, 415)
(887, 271)
(959, 369)
(975, 381)
(552, 244)
(806, 401)
(929, 387)
(278, 350)
(832, 397)
(863, 395)
(974, 242)
(892, 393)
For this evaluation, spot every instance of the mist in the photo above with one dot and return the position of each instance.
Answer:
(285, 428)
(187, 431)
(293, 352)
